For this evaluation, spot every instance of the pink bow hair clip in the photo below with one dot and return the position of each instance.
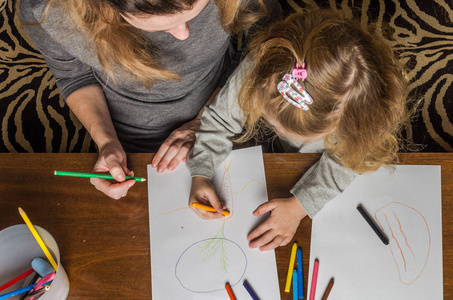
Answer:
(300, 72)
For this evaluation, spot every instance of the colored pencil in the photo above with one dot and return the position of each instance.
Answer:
(328, 289)
(33, 280)
(38, 239)
(95, 175)
(300, 274)
(314, 279)
(295, 293)
(48, 278)
(19, 291)
(250, 290)
(230, 291)
(44, 289)
(38, 293)
(370, 222)
(290, 268)
(13, 281)
(209, 208)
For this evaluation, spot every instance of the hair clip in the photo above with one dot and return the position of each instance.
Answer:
(299, 72)
(300, 98)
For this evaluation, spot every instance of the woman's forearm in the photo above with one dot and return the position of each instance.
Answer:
(90, 107)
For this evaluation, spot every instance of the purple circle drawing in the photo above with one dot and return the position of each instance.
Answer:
(205, 266)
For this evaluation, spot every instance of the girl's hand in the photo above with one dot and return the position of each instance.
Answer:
(112, 159)
(280, 227)
(175, 148)
(203, 192)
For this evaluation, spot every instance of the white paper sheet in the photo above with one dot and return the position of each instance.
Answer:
(406, 203)
(192, 258)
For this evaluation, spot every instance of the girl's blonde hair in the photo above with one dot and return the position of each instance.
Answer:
(122, 47)
(358, 88)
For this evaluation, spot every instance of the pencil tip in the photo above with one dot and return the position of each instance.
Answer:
(143, 179)
(54, 172)
(21, 210)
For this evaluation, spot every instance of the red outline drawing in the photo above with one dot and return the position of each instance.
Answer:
(407, 242)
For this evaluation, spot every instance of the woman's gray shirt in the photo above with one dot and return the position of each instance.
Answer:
(223, 119)
(143, 118)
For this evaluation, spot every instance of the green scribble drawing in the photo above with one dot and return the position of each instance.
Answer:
(216, 245)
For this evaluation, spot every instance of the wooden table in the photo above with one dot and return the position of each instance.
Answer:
(104, 244)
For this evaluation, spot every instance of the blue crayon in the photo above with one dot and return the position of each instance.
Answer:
(295, 294)
(250, 290)
(300, 274)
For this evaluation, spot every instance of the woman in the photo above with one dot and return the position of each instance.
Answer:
(137, 73)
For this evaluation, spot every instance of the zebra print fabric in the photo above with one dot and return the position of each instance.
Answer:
(34, 117)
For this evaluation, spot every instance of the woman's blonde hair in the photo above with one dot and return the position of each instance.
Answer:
(122, 47)
(359, 89)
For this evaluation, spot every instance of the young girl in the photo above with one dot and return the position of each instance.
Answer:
(137, 73)
(324, 84)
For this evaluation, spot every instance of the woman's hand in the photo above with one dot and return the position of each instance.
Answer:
(203, 192)
(176, 147)
(112, 159)
(280, 227)
(90, 107)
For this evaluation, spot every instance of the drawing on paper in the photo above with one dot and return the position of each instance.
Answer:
(216, 246)
(192, 258)
(211, 256)
(199, 274)
(226, 192)
(226, 195)
(410, 258)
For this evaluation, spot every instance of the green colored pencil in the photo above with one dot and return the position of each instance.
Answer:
(95, 175)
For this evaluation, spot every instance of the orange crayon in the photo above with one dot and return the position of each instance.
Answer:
(229, 291)
(209, 208)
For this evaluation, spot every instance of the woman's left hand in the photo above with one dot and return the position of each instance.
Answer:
(176, 147)
(280, 227)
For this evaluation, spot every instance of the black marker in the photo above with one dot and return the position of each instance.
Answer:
(372, 224)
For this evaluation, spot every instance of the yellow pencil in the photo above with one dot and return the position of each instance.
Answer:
(38, 238)
(209, 208)
(291, 268)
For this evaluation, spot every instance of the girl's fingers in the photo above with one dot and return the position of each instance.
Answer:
(214, 201)
(285, 241)
(264, 239)
(264, 208)
(207, 215)
(277, 241)
(258, 231)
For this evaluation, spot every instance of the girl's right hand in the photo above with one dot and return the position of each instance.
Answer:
(112, 159)
(203, 192)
